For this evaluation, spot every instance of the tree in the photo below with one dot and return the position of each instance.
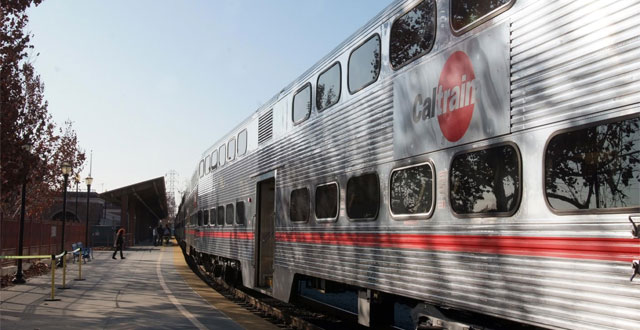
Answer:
(25, 120)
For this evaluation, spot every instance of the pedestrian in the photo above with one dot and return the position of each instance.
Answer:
(119, 243)
(159, 232)
(167, 233)
(154, 232)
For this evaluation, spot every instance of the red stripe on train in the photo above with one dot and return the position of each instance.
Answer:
(222, 234)
(612, 249)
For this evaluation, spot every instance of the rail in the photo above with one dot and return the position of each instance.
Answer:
(54, 258)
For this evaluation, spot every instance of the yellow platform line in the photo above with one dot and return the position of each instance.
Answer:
(229, 308)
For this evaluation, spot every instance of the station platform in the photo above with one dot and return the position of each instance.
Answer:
(153, 288)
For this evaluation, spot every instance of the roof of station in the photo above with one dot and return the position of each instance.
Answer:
(151, 194)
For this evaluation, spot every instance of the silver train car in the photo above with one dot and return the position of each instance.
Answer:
(477, 156)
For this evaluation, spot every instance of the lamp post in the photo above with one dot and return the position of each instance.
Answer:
(19, 279)
(66, 170)
(89, 180)
(77, 181)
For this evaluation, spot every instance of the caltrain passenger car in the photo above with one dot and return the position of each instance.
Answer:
(478, 156)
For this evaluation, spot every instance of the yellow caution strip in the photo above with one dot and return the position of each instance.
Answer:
(48, 256)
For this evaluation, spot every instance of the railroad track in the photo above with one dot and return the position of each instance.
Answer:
(282, 314)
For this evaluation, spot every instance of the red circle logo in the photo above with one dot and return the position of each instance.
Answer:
(456, 96)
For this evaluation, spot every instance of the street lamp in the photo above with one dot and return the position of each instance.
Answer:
(66, 170)
(19, 279)
(77, 180)
(89, 181)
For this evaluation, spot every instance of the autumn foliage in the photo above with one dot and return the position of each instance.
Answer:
(25, 120)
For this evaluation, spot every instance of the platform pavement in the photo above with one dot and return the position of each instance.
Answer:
(151, 289)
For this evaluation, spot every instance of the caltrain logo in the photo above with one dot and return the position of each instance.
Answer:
(453, 100)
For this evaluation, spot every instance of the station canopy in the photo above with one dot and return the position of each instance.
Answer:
(142, 205)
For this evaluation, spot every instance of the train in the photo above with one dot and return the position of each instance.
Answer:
(459, 160)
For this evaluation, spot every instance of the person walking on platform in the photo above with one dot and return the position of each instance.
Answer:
(159, 232)
(119, 243)
(167, 234)
(154, 233)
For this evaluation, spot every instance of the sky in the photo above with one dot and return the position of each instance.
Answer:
(150, 84)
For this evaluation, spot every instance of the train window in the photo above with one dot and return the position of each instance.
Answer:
(486, 182)
(364, 64)
(231, 149)
(220, 220)
(201, 168)
(300, 205)
(328, 87)
(199, 218)
(412, 34)
(222, 152)
(412, 190)
(327, 199)
(207, 165)
(230, 214)
(212, 216)
(466, 14)
(241, 218)
(594, 168)
(242, 142)
(205, 220)
(214, 159)
(302, 104)
(363, 196)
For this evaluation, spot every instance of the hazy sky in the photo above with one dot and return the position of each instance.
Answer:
(151, 84)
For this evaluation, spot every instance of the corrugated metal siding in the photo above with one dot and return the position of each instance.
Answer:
(573, 58)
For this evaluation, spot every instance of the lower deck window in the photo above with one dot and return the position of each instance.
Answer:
(230, 214)
(594, 168)
(327, 201)
(486, 182)
(299, 207)
(205, 221)
(220, 215)
(212, 215)
(240, 215)
(363, 196)
(412, 190)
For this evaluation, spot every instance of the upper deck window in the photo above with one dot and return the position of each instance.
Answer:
(486, 182)
(214, 159)
(328, 87)
(364, 64)
(467, 14)
(594, 168)
(231, 149)
(222, 151)
(242, 142)
(201, 168)
(302, 104)
(412, 34)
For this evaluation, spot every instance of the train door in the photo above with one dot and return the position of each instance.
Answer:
(265, 233)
